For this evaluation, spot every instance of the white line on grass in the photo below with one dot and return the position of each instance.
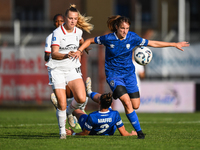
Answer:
(171, 122)
(144, 122)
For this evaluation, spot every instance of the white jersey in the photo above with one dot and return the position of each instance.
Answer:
(67, 42)
(47, 48)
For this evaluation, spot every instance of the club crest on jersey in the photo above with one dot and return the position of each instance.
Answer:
(127, 46)
(112, 83)
(112, 45)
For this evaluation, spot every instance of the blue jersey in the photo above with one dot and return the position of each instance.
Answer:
(101, 123)
(118, 57)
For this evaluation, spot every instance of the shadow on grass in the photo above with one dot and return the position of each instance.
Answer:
(55, 135)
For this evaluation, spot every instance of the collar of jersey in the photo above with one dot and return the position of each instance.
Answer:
(117, 37)
(64, 30)
(104, 112)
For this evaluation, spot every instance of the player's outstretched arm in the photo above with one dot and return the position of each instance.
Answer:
(123, 132)
(84, 46)
(71, 132)
(178, 45)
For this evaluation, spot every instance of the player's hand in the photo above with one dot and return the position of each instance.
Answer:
(71, 54)
(77, 54)
(179, 45)
(69, 131)
(133, 133)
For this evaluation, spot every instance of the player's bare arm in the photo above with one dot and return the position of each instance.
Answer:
(84, 46)
(58, 56)
(123, 132)
(178, 45)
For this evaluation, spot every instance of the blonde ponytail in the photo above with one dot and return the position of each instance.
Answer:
(83, 23)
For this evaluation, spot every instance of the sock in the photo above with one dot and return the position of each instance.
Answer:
(69, 100)
(61, 117)
(84, 104)
(74, 105)
(133, 118)
(92, 95)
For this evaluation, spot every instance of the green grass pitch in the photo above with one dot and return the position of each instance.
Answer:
(36, 129)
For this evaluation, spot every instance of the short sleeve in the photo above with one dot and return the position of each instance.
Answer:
(119, 122)
(100, 39)
(89, 123)
(47, 48)
(55, 38)
(137, 40)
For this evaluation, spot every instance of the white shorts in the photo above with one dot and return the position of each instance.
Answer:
(59, 79)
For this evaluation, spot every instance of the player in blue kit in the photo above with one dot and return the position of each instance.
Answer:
(119, 69)
(102, 122)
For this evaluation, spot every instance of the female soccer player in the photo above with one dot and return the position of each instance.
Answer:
(102, 122)
(65, 70)
(119, 69)
(58, 20)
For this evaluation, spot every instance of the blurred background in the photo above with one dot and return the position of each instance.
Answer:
(171, 82)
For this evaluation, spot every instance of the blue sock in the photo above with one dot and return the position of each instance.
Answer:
(92, 95)
(133, 118)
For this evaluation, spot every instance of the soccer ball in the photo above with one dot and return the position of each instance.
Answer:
(143, 55)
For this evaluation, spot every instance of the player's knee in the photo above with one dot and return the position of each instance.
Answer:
(136, 107)
(81, 99)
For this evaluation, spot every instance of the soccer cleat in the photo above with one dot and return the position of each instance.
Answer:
(62, 136)
(54, 100)
(141, 135)
(77, 126)
(70, 119)
(88, 85)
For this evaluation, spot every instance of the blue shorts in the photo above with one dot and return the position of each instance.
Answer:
(130, 82)
(82, 119)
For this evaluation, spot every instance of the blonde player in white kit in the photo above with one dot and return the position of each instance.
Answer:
(64, 69)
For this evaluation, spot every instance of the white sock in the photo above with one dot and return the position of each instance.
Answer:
(69, 100)
(61, 117)
(84, 104)
(74, 105)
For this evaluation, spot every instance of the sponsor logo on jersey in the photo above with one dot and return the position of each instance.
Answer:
(69, 47)
(127, 46)
(104, 120)
(54, 39)
(112, 45)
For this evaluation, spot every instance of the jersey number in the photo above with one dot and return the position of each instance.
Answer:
(104, 127)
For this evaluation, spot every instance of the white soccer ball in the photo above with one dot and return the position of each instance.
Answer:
(143, 55)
